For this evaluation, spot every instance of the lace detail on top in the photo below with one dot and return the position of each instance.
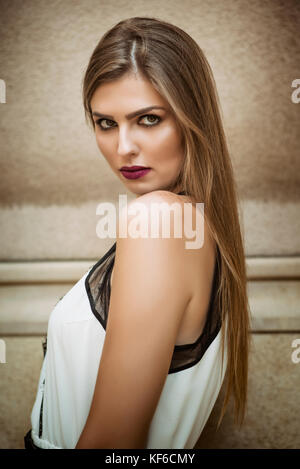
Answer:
(97, 285)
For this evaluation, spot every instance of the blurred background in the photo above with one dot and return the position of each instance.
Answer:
(53, 177)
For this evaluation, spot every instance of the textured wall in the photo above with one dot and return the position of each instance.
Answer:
(52, 175)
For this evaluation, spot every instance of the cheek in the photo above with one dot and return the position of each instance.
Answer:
(169, 146)
(103, 146)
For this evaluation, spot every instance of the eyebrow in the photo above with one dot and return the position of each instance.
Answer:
(132, 114)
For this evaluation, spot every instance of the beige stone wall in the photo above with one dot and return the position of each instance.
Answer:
(53, 177)
(18, 386)
(272, 412)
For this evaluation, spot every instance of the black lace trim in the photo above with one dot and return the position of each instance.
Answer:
(97, 284)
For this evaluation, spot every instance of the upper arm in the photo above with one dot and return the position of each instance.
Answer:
(148, 297)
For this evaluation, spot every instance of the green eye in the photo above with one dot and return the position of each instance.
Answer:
(150, 118)
(99, 123)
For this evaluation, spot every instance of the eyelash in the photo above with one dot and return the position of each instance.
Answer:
(98, 122)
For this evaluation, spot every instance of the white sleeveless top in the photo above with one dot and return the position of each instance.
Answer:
(75, 337)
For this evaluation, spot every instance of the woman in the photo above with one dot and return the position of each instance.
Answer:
(139, 348)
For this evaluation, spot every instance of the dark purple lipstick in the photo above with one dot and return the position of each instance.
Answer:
(134, 172)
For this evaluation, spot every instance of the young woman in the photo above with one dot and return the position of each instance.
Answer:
(139, 348)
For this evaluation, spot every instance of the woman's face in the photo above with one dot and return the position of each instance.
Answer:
(150, 137)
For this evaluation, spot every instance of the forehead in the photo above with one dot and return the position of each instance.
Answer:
(129, 92)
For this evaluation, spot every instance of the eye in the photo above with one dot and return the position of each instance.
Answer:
(105, 127)
(150, 118)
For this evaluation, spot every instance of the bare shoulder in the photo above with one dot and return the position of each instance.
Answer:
(164, 220)
(157, 209)
(147, 200)
(153, 225)
(147, 237)
(153, 221)
(152, 257)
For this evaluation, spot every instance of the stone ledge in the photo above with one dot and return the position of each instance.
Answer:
(273, 267)
(43, 272)
(70, 271)
(25, 309)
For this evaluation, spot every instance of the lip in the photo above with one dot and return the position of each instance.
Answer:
(136, 173)
(133, 168)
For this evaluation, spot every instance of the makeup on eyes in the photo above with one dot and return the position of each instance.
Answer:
(158, 120)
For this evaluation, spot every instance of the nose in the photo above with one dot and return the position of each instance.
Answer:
(126, 143)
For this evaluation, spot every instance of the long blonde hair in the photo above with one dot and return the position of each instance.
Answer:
(177, 68)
